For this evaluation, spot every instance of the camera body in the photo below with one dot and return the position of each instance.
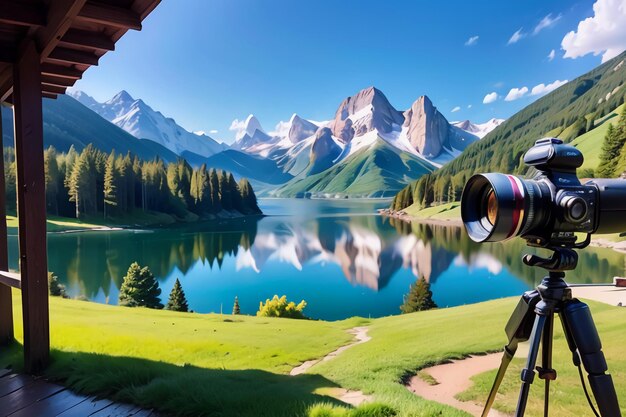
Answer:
(548, 210)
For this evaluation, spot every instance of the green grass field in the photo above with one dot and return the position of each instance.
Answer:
(213, 365)
(448, 211)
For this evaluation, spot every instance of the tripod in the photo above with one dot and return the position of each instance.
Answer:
(533, 319)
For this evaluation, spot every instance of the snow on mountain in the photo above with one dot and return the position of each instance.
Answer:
(141, 121)
(478, 129)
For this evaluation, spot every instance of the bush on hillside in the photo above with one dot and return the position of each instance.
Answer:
(55, 288)
(280, 307)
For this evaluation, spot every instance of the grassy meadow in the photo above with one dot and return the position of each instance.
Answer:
(223, 365)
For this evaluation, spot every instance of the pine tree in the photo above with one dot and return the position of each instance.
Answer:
(111, 179)
(140, 288)
(236, 309)
(610, 152)
(215, 191)
(177, 300)
(51, 169)
(419, 298)
(225, 191)
(248, 198)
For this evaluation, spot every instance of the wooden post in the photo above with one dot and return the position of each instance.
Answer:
(6, 302)
(31, 203)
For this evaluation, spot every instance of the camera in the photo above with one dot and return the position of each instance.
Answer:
(548, 210)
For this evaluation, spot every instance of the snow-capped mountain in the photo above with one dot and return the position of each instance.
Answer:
(478, 129)
(141, 121)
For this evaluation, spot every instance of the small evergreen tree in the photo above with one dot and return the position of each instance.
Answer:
(140, 288)
(177, 300)
(419, 298)
(55, 288)
(236, 309)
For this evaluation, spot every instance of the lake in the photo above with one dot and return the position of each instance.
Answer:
(338, 255)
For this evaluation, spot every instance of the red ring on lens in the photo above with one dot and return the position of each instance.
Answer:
(519, 205)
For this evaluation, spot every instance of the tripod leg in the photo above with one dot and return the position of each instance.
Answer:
(528, 373)
(581, 332)
(545, 371)
(509, 352)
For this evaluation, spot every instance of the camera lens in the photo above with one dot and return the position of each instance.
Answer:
(496, 207)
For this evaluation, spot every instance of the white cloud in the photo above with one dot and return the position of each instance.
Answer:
(541, 89)
(516, 93)
(604, 33)
(469, 106)
(239, 127)
(546, 22)
(516, 36)
(490, 98)
(473, 40)
(551, 55)
(199, 132)
(213, 131)
(456, 109)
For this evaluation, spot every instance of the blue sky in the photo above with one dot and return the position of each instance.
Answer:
(206, 63)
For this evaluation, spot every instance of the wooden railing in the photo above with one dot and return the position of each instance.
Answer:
(12, 279)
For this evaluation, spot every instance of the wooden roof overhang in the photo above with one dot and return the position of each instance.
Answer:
(70, 35)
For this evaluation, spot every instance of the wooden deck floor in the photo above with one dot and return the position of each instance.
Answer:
(26, 396)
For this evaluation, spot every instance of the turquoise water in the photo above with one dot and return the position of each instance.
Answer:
(339, 256)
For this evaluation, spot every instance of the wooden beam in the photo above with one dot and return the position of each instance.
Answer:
(6, 83)
(61, 71)
(48, 95)
(105, 14)
(57, 81)
(6, 302)
(21, 13)
(52, 89)
(31, 203)
(96, 40)
(10, 279)
(61, 13)
(72, 56)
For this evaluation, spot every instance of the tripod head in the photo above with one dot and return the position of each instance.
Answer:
(562, 259)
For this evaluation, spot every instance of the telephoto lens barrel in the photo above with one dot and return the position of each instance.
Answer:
(496, 207)
(611, 213)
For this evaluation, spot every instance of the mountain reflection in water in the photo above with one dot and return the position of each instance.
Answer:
(337, 255)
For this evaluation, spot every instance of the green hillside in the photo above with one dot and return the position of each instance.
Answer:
(379, 171)
(590, 143)
(66, 122)
(568, 112)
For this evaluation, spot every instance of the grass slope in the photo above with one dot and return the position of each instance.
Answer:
(448, 211)
(379, 171)
(213, 365)
(590, 143)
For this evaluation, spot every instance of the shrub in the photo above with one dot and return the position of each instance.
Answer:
(140, 288)
(177, 300)
(280, 307)
(55, 288)
(419, 298)
(236, 309)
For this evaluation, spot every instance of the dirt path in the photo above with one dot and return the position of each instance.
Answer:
(349, 397)
(454, 378)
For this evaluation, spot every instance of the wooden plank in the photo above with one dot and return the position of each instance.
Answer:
(21, 13)
(96, 40)
(6, 299)
(109, 15)
(10, 279)
(51, 96)
(116, 410)
(51, 406)
(86, 408)
(61, 71)
(31, 198)
(72, 56)
(7, 53)
(13, 382)
(27, 395)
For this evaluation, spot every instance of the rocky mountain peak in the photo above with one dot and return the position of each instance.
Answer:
(428, 130)
(300, 129)
(323, 151)
(121, 97)
(363, 112)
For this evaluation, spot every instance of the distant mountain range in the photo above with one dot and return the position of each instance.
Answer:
(368, 149)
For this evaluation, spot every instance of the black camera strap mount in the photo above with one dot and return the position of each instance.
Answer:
(533, 320)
